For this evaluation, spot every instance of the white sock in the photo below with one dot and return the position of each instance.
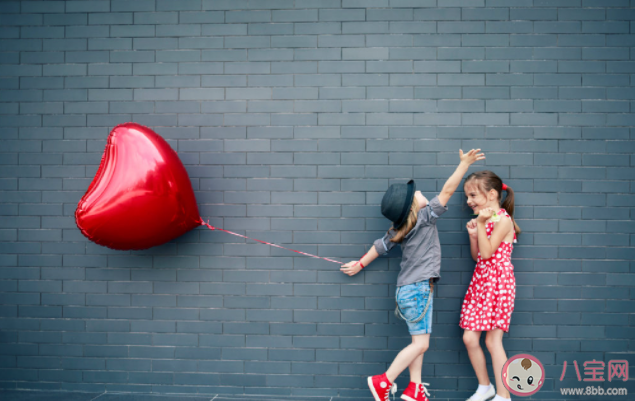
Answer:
(499, 398)
(483, 389)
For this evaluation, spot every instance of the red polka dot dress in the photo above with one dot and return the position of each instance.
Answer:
(489, 301)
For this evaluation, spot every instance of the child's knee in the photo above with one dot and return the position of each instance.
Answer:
(421, 346)
(492, 343)
(470, 339)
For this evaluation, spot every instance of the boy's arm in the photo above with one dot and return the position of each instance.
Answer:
(371, 255)
(455, 179)
(452, 183)
(354, 267)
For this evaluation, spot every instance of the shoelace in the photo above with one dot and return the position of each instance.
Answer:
(423, 389)
(392, 391)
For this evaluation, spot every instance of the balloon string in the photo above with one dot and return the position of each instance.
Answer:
(268, 243)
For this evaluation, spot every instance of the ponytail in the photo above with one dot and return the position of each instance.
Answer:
(508, 204)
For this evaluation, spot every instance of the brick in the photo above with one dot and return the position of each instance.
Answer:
(185, 5)
(342, 15)
(582, 66)
(249, 68)
(341, 40)
(342, 93)
(364, 106)
(316, 54)
(201, 94)
(65, 19)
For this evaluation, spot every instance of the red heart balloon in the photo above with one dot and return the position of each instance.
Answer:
(141, 195)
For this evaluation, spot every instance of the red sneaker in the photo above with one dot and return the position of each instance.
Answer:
(416, 392)
(381, 387)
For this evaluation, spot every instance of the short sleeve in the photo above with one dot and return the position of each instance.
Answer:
(384, 245)
(432, 211)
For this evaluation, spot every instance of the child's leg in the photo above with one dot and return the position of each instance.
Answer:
(407, 355)
(494, 342)
(415, 369)
(477, 357)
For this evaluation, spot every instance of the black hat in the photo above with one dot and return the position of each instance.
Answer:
(397, 201)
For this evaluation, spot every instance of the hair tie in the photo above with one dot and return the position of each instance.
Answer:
(504, 187)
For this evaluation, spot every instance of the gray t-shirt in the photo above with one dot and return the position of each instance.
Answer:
(420, 248)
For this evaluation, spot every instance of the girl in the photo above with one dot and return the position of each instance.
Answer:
(489, 300)
(414, 227)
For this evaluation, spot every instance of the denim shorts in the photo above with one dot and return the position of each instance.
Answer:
(414, 305)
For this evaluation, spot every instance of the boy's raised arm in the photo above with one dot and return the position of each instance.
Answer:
(455, 179)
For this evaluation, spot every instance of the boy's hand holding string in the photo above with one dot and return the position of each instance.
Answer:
(467, 159)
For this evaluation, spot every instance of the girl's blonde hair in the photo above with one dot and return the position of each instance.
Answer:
(410, 223)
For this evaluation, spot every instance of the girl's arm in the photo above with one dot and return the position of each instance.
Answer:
(473, 233)
(354, 267)
(474, 248)
(455, 179)
(487, 246)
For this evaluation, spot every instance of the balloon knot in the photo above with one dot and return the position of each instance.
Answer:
(211, 227)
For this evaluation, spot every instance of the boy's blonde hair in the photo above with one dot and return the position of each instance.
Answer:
(410, 223)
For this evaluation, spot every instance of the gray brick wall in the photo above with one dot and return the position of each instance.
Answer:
(292, 118)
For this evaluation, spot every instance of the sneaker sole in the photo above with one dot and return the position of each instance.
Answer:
(405, 397)
(491, 397)
(372, 388)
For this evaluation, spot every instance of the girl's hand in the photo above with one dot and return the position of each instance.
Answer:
(471, 228)
(471, 156)
(351, 268)
(485, 214)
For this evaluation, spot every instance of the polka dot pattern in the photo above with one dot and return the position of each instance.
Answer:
(489, 301)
